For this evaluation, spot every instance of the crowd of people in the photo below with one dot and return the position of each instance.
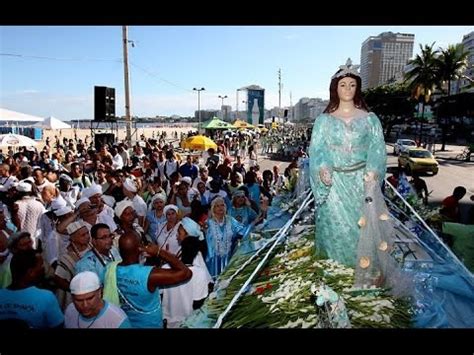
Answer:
(122, 236)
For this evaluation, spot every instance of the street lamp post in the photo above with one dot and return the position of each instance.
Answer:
(222, 105)
(199, 106)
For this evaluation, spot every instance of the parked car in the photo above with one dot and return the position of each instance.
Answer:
(418, 160)
(402, 145)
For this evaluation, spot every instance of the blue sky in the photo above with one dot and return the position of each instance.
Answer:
(52, 70)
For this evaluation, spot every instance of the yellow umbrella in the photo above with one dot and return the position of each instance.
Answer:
(199, 143)
(242, 124)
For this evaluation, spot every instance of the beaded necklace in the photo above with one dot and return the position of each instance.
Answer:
(222, 233)
(90, 324)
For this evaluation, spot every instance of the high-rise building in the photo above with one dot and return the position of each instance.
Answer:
(468, 43)
(383, 58)
(307, 109)
(225, 113)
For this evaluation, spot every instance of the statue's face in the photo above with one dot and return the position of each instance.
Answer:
(346, 89)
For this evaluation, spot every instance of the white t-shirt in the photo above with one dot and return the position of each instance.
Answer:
(178, 300)
(117, 161)
(110, 316)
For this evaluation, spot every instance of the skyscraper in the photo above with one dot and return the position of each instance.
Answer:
(383, 58)
(468, 43)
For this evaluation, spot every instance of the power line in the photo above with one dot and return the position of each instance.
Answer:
(60, 59)
(156, 76)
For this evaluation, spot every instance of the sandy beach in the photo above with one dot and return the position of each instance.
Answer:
(81, 133)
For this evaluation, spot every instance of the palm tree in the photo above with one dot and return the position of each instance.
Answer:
(422, 77)
(452, 63)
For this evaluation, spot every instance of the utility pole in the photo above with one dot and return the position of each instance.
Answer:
(290, 113)
(279, 93)
(128, 117)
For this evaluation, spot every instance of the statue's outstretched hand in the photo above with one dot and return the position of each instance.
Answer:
(370, 176)
(325, 176)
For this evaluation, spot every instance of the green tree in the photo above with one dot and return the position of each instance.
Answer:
(392, 104)
(422, 77)
(451, 64)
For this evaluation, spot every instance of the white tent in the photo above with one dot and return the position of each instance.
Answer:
(9, 115)
(52, 123)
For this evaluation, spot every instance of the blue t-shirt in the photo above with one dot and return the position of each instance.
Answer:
(143, 307)
(39, 308)
(90, 262)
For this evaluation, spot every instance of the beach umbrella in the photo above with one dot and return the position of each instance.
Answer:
(16, 140)
(199, 143)
(242, 124)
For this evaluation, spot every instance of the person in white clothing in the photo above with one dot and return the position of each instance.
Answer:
(27, 210)
(180, 301)
(6, 180)
(130, 190)
(88, 309)
(167, 232)
(94, 194)
(117, 160)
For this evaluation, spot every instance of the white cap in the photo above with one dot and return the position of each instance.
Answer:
(62, 211)
(24, 187)
(75, 226)
(84, 282)
(130, 185)
(65, 177)
(121, 206)
(92, 190)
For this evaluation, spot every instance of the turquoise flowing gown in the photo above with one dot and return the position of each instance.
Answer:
(349, 150)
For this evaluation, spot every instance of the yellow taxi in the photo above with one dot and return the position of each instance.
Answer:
(418, 160)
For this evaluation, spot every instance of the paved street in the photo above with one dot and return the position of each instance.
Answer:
(451, 173)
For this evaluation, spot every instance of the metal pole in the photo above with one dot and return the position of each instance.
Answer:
(199, 110)
(279, 93)
(237, 105)
(128, 117)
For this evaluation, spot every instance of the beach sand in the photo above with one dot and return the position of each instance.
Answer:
(149, 132)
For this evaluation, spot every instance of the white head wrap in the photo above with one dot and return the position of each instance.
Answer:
(108, 200)
(170, 207)
(159, 196)
(130, 185)
(57, 203)
(121, 206)
(92, 190)
(192, 228)
(187, 180)
(81, 201)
